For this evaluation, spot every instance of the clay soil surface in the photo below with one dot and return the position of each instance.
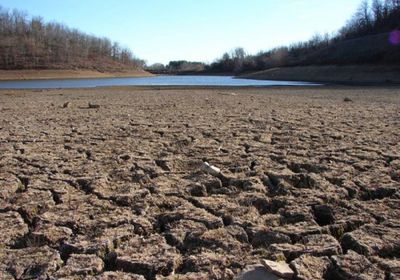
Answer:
(352, 74)
(67, 74)
(115, 190)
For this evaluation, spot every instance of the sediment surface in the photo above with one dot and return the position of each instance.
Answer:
(107, 183)
(348, 74)
(68, 74)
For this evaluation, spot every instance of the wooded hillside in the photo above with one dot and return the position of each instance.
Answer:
(371, 36)
(30, 43)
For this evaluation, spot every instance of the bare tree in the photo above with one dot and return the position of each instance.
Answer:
(31, 43)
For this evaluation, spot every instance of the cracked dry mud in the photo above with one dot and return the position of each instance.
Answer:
(116, 191)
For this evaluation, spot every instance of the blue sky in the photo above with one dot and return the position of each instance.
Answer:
(198, 30)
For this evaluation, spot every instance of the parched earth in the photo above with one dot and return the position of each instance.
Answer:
(116, 190)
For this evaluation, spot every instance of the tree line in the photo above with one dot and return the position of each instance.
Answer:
(349, 46)
(30, 43)
(177, 66)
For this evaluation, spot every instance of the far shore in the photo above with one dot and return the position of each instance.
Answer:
(349, 74)
(7, 75)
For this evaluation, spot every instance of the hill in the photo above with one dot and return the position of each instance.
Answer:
(371, 37)
(30, 43)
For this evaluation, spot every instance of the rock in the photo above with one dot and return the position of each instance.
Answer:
(147, 256)
(354, 266)
(93, 106)
(66, 104)
(30, 263)
(256, 272)
(280, 269)
(12, 228)
(308, 267)
(370, 240)
(347, 99)
(81, 265)
(210, 169)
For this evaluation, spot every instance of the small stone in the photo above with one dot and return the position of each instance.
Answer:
(280, 269)
(93, 106)
(256, 272)
(347, 99)
(66, 104)
(210, 169)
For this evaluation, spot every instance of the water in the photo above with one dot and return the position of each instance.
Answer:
(147, 81)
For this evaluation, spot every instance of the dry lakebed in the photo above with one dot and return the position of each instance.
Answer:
(200, 183)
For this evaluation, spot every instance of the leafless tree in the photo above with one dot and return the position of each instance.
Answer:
(30, 43)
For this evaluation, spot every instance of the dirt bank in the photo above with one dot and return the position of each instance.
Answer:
(66, 74)
(332, 74)
(108, 183)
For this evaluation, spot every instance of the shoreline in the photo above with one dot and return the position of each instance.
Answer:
(362, 75)
(26, 75)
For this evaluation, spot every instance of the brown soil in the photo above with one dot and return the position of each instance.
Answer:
(356, 74)
(66, 74)
(116, 189)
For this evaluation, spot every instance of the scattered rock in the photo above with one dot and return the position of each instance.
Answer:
(93, 106)
(256, 272)
(210, 169)
(280, 269)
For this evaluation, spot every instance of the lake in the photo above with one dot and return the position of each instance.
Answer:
(147, 81)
